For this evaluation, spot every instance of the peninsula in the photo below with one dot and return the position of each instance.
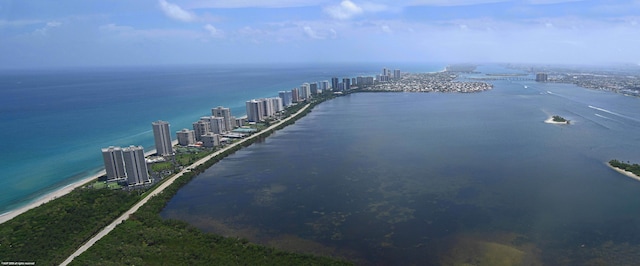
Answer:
(443, 81)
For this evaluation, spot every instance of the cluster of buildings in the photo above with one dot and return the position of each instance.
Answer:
(542, 77)
(430, 82)
(129, 164)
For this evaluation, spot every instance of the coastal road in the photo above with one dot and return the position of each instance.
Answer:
(161, 188)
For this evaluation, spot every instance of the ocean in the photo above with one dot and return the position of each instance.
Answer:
(437, 179)
(55, 121)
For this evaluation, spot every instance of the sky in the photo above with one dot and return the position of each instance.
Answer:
(45, 33)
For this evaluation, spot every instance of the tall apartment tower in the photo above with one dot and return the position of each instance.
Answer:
(286, 98)
(541, 77)
(396, 74)
(186, 137)
(255, 110)
(347, 83)
(295, 95)
(226, 114)
(162, 137)
(135, 165)
(334, 83)
(277, 104)
(201, 128)
(113, 163)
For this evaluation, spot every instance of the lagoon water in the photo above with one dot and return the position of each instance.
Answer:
(55, 121)
(434, 178)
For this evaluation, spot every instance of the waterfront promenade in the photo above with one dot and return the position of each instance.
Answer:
(164, 185)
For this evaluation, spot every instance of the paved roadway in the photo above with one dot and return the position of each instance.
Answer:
(159, 189)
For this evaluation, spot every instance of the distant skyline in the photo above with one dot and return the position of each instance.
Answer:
(65, 33)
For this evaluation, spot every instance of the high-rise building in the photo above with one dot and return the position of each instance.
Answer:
(364, 81)
(267, 108)
(386, 72)
(541, 77)
(224, 113)
(323, 85)
(295, 95)
(200, 128)
(396, 74)
(241, 121)
(113, 163)
(162, 137)
(382, 78)
(210, 140)
(305, 92)
(347, 83)
(216, 124)
(186, 137)
(286, 98)
(135, 165)
(334, 83)
(276, 102)
(313, 88)
(255, 110)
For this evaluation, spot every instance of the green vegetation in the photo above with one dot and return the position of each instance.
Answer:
(560, 119)
(49, 233)
(148, 239)
(191, 156)
(633, 168)
(163, 166)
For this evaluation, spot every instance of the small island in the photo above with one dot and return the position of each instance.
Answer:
(628, 169)
(556, 119)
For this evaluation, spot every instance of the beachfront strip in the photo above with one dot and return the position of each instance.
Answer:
(222, 128)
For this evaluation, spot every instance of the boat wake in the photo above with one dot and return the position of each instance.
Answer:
(613, 113)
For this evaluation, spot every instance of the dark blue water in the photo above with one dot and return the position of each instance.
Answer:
(54, 122)
(417, 178)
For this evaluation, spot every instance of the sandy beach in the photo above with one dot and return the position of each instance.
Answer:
(59, 193)
(49, 197)
(627, 173)
(550, 121)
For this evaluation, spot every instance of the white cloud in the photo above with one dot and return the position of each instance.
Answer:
(345, 10)
(311, 33)
(386, 29)
(115, 28)
(50, 25)
(549, 2)
(452, 2)
(176, 12)
(213, 30)
(254, 3)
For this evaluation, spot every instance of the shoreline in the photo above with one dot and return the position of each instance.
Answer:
(550, 121)
(159, 189)
(624, 172)
(66, 189)
(49, 197)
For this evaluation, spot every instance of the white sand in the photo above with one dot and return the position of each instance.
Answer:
(624, 172)
(550, 121)
(49, 197)
(58, 193)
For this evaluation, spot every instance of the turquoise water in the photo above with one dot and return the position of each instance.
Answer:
(54, 122)
(427, 179)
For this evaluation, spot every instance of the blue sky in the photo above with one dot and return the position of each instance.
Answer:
(44, 33)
